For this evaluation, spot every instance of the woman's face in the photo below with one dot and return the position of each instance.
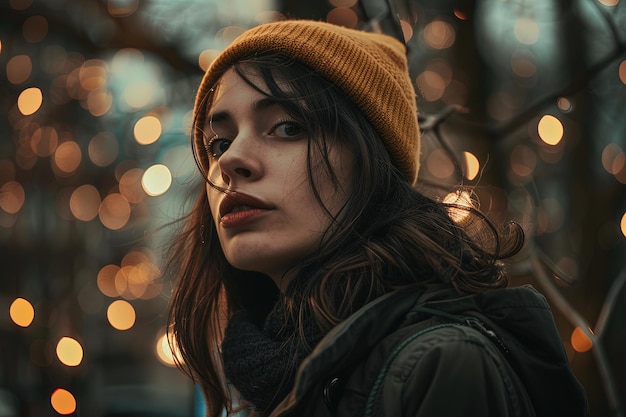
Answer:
(270, 220)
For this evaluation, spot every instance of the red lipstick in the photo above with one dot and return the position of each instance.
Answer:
(237, 209)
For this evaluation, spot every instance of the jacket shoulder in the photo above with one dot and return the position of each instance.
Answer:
(445, 369)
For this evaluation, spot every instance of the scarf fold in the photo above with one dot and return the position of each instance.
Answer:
(262, 362)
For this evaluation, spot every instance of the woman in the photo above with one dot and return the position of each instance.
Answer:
(313, 279)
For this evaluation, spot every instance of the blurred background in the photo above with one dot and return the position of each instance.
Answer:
(525, 100)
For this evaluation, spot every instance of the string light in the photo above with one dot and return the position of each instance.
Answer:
(439, 34)
(63, 402)
(472, 165)
(164, 351)
(462, 200)
(526, 31)
(580, 341)
(103, 149)
(29, 101)
(22, 312)
(342, 16)
(19, 69)
(114, 211)
(550, 129)
(121, 315)
(69, 351)
(156, 180)
(147, 130)
(12, 197)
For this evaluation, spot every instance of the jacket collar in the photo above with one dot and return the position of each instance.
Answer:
(350, 341)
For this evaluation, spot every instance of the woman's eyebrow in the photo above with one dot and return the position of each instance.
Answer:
(257, 105)
(219, 116)
(266, 102)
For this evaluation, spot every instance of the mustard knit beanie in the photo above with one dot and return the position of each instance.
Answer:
(370, 68)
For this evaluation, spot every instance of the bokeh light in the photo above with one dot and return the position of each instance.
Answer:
(164, 351)
(99, 102)
(206, 57)
(131, 187)
(136, 277)
(523, 65)
(135, 80)
(106, 280)
(431, 84)
(343, 3)
(230, 33)
(407, 30)
(63, 402)
(622, 72)
(523, 161)
(472, 165)
(92, 75)
(580, 341)
(139, 94)
(84, 202)
(69, 351)
(122, 8)
(18, 69)
(460, 14)
(342, 16)
(67, 157)
(147, 130)
(461, 199)
(20, 4)
(564, 104)
(121, 315)
(114, 211)
(609, 3)
(12, 197)
(623, 225)
(44, 141)
(439, 164)
(124, 282)
(439, 34)
(156, 180)
(103, 149)
(526, 31)
(22, 312)
(550, 129)
(613, 158)
(35, 29)
(29, 101)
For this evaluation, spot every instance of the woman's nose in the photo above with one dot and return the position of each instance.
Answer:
(240, 162)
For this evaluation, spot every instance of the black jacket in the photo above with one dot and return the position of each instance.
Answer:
(433, 354)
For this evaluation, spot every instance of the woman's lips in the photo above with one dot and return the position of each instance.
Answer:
(237, 209)
(239, 218)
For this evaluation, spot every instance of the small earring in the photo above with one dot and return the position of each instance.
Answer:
(202, 234)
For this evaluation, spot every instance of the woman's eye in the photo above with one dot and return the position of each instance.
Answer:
(288, 129)
(217, 146)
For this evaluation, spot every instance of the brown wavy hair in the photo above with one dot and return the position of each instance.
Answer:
(387, 236)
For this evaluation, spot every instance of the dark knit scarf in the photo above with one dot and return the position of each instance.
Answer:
(261, 362)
